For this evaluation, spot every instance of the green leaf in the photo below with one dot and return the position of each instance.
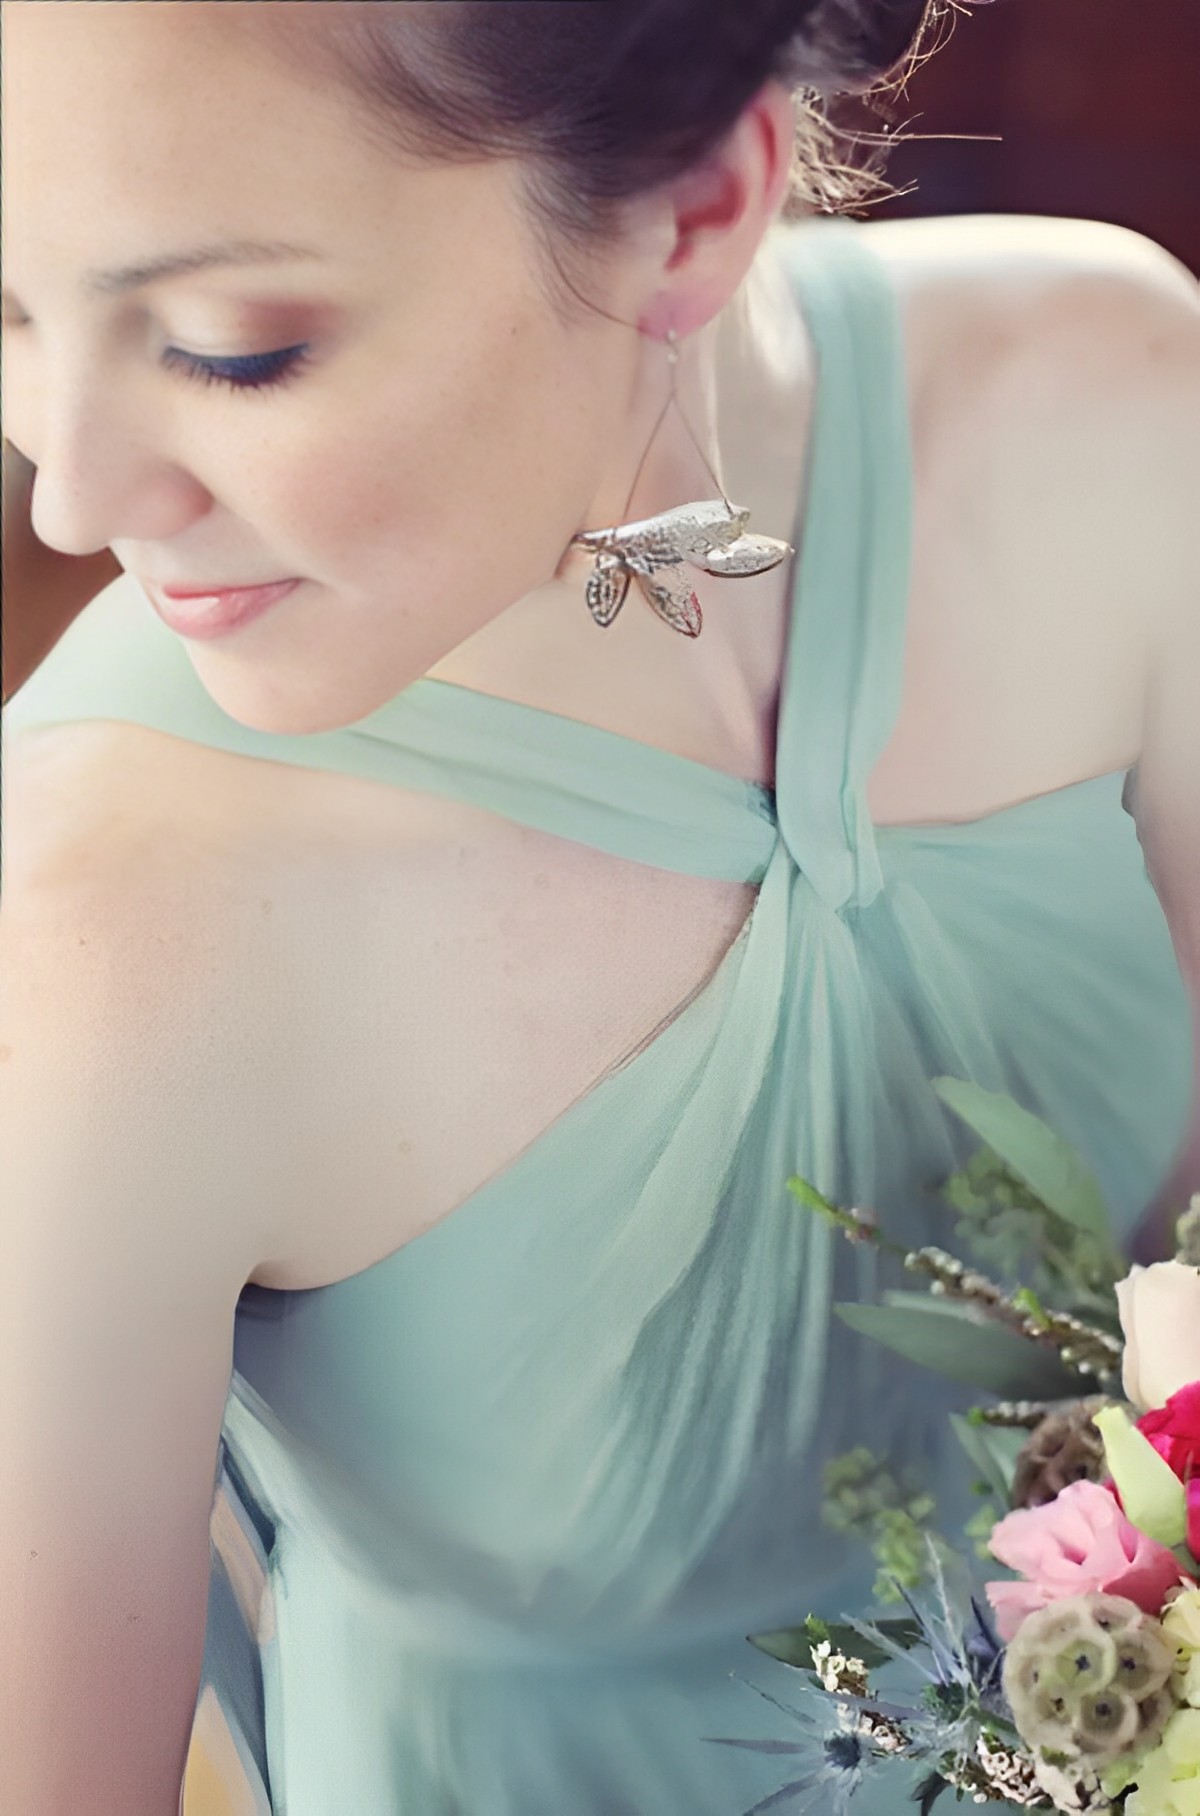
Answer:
(954, 1341)
(790, 1645)
(994, 1450)
(933, 1305)
(793, 1645)
(1152, 1495)
(1050, 1167)
(1027, 1301)
(928, 1792)
(808, 1194)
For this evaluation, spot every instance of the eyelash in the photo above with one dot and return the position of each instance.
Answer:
(259, 372)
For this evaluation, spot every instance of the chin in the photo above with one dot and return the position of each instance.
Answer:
(289, 699)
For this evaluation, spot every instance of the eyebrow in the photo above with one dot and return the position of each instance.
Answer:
(125, 278)
(200, 258)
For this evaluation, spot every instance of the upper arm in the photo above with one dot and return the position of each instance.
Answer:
(126, 1236)
(1165, 793)
(1092, 333)
(1098, 327)
(1166, 782)
(1161, 348)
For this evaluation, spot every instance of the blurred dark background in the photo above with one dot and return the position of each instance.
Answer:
(1097, 104)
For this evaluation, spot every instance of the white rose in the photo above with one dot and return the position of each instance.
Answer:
(1160, 1316)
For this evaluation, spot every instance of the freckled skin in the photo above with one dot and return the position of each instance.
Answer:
(453, 429)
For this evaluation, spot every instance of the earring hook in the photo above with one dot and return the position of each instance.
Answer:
(673, 345)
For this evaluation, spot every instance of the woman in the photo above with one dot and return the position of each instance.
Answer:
(429, 995)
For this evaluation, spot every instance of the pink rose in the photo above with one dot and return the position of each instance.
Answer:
(1160, 1316)
(1076, 1544)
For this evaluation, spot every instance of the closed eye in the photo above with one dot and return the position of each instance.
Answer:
(257, 372)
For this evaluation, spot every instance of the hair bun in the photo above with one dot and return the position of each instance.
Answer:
(846, 46)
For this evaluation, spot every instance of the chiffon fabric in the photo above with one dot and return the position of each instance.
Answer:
(494, 1516)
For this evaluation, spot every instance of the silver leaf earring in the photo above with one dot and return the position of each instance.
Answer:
(709, 534)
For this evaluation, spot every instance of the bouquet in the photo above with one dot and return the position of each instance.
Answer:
(1073, 1683)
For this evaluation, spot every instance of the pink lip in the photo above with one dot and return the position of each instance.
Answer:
(203, 616)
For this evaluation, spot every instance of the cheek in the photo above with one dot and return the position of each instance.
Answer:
(464, 491)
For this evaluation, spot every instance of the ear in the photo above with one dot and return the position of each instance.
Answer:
(710, 222)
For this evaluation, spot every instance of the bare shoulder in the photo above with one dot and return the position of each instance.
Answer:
(139, 971)
(1088, 299)
(131, 1210)
(1097, 313)
(221, 932)
(1083, 331)
(1054, 374)
(999, 259)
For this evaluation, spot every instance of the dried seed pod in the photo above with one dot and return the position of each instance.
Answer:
(1087, 1678)
(1063, 1447)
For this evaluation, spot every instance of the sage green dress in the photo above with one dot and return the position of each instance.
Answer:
(521, 1489)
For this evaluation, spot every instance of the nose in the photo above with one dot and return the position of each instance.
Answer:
(82, 505)
(101, 472)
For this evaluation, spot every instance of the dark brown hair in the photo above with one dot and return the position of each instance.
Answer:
(605, 99)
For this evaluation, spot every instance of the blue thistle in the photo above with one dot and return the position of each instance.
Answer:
(836, 1761)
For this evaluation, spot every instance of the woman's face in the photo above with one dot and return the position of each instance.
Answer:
(423, 466)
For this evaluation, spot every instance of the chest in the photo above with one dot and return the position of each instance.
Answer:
(449, 998)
